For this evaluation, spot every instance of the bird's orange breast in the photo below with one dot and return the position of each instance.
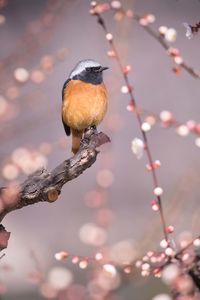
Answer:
(84, 104)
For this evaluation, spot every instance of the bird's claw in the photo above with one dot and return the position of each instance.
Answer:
(88, 134)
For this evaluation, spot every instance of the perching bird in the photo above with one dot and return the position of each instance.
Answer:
(84, 100)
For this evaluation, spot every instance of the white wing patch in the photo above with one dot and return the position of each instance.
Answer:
(87, 63)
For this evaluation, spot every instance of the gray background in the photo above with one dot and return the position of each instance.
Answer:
(48, 228)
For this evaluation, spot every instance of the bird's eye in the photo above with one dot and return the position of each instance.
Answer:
(88, 69)
(93, 69)
(96, 69)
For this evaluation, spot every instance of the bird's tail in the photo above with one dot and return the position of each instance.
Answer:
(76, 138)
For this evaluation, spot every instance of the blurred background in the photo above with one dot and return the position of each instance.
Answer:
(108, 208)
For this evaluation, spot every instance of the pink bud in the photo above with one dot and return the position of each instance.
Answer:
(173, 51)
(197, 128)
(170, 229)
(191, 125)
(131, 106)
(154, 205)
(75, 259)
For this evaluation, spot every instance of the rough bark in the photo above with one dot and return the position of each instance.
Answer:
(45, 186)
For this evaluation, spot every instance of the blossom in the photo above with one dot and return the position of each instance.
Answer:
(189, 33)
(137, 147)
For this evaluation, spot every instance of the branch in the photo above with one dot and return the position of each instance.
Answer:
(44, 186)
(160, 39)
(99, 8)
(134, 108)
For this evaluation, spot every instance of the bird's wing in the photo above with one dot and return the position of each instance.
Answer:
(66, 127)
(64, 86)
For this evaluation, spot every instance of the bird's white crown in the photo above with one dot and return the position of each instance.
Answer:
(82, 65)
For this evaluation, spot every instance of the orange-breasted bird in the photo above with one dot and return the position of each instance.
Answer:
(84, 100)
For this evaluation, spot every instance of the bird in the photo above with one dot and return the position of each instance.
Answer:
(84, 100)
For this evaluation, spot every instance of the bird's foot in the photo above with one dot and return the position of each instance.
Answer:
(89, 133)
(94, 138)
(91, 130)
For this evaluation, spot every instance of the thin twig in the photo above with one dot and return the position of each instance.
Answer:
(160, 39)
(133, 102)
(186, 247)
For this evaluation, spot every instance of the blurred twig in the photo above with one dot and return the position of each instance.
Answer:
(134, 109)
(160, 39)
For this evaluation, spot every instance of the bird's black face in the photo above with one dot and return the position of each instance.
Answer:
(91, 75)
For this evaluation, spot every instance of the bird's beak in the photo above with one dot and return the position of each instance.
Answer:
(103, 69)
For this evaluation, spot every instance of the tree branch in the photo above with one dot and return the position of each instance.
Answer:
(44, 186)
